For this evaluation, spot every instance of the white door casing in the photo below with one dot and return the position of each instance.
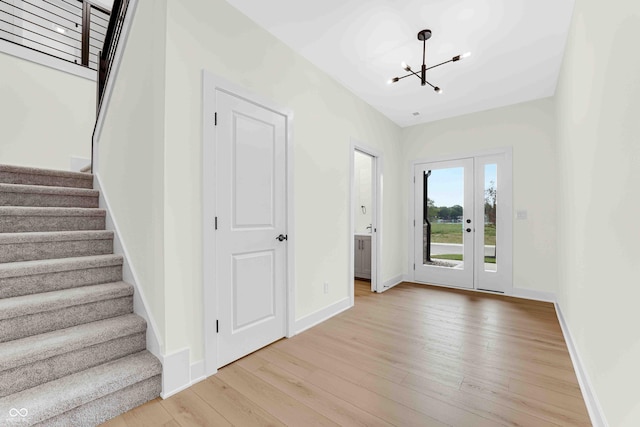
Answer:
(250, 260)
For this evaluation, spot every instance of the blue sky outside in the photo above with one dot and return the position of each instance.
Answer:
(446, 186)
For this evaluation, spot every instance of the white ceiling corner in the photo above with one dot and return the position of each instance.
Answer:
(517, 48)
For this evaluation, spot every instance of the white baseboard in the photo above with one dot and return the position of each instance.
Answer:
(78, 163)
(533, 295)
(388, 284)
(178, 374)
(140, 306)
(311, 320)
(588, 393)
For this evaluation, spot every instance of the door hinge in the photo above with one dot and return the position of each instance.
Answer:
(215, 223)
(414, 222)
(414, 266)
(215, 119)
(217, 330)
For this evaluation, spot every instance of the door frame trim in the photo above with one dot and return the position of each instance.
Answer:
(507, 152)
(376, 218)
(210, 83)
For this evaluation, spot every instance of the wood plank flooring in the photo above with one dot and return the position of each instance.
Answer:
(413, 356)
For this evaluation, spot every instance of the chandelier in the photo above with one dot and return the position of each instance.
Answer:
(423, 36)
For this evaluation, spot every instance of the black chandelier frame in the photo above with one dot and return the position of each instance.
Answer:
(423, 36)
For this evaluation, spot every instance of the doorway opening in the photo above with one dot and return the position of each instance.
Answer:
(364, 237)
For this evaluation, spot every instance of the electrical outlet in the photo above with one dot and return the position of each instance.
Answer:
(326, 287)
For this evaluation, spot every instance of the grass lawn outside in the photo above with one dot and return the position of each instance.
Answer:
(458, 257)
(452, 233)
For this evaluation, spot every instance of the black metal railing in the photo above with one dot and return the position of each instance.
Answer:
(72, 30)
(111, 40)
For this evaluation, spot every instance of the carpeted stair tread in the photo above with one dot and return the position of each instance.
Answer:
(45, 189)
(50, 301)
(54, 236)
(49, 211)
(43, 196)
(15, 247)
(70, 392)
(28, 268)
(44, 346)
(46, 177)
(29, 219)
(105, 408)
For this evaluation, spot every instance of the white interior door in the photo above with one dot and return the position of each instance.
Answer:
(463, 223)
(251, 215)
(444, 223)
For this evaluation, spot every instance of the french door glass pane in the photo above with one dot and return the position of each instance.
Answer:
(443, 201)
(490, 211)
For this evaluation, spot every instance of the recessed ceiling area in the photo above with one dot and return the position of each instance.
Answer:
(517, 48)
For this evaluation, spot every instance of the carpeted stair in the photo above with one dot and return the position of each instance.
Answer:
(72, 353)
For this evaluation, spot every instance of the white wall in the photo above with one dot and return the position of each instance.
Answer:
(47, 115)
(130, 153)
(211, 35)
(598, 107)
(363, 165)
(529, 129)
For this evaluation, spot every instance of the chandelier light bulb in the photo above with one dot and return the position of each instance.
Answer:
(465, 55)
(393, 80)
(437, 89)
(405, 66)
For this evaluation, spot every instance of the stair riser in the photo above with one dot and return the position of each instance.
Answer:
(25, 326)
(47, 200)
(7, 177)
(51, 250)
(40, 372)
(110, 406)
(25, 223)
(33, 284)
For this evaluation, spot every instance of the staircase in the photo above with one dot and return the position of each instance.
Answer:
(72, 353)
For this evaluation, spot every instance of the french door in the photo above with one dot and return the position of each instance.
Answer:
(462, 228)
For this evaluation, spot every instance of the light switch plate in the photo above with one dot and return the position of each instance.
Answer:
(521, 214)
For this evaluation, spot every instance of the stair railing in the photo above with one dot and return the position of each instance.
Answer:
(70, 30)
(111, 40)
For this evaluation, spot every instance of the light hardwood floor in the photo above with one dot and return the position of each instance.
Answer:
(412, 356)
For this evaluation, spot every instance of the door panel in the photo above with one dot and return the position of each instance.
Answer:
(254, 171)
(251, 212)
(444, 213)
(253, 289)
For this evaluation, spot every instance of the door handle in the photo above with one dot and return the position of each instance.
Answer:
(468, 230)
(282, 237)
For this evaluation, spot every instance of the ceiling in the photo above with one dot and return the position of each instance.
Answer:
(516, 45)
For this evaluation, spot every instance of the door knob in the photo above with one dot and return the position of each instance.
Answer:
(282, 237)
(468, 230)
(468, 221)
